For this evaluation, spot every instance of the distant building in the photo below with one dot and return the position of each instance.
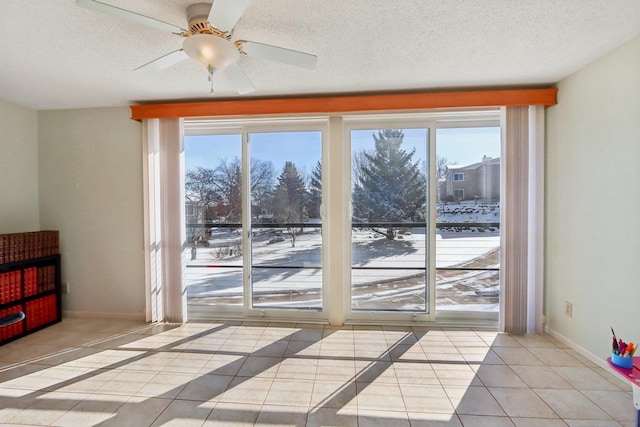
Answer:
(478, 181)
(194, 212)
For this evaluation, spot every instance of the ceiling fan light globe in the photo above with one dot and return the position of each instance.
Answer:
(211, 51)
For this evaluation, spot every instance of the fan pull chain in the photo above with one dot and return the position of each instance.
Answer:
(211, 70)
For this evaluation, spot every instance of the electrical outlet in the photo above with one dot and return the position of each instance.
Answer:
(568, 308)
(65, 288)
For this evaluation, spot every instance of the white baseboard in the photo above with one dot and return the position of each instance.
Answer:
(103, 315)
(583, 351)
(586, 354)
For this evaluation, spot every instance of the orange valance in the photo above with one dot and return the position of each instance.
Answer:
(347, 103)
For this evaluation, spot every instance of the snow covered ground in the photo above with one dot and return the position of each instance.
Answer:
(291, 277)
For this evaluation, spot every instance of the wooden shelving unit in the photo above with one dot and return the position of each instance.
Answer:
(29, 282)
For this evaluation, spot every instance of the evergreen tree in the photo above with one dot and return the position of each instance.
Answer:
(391, 187)
(315, 191)
(289, 200)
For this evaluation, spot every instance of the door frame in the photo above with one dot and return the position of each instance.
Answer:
(245, 127)
(336, 210)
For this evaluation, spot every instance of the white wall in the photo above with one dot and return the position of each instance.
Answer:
(18, 168)
(593, 202)
(91, 190)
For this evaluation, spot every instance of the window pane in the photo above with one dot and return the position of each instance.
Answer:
(213, 176)
(389, 198)
(286, 228)
(468, 219)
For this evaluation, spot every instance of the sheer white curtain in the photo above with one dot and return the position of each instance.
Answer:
(163, 169)
(523, 222)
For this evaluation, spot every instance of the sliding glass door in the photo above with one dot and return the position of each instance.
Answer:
(213, 208)
(425, 220)
(390, 233)
(411, 207)
(468, 220)
(286, 225)
(253, 203)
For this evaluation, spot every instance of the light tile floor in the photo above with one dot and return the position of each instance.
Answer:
(110, 372)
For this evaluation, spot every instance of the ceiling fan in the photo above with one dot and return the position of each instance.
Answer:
(209, 40)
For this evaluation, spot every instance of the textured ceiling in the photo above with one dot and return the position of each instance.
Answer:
(57, 55)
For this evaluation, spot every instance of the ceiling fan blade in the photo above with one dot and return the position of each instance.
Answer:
(164, 61)
(239, 79)
(225, 14)
(280, 54)
(117, 12)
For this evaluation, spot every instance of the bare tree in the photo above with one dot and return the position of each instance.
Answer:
(262, 181)
(441, 167)
(228, 185)
(199, 191)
